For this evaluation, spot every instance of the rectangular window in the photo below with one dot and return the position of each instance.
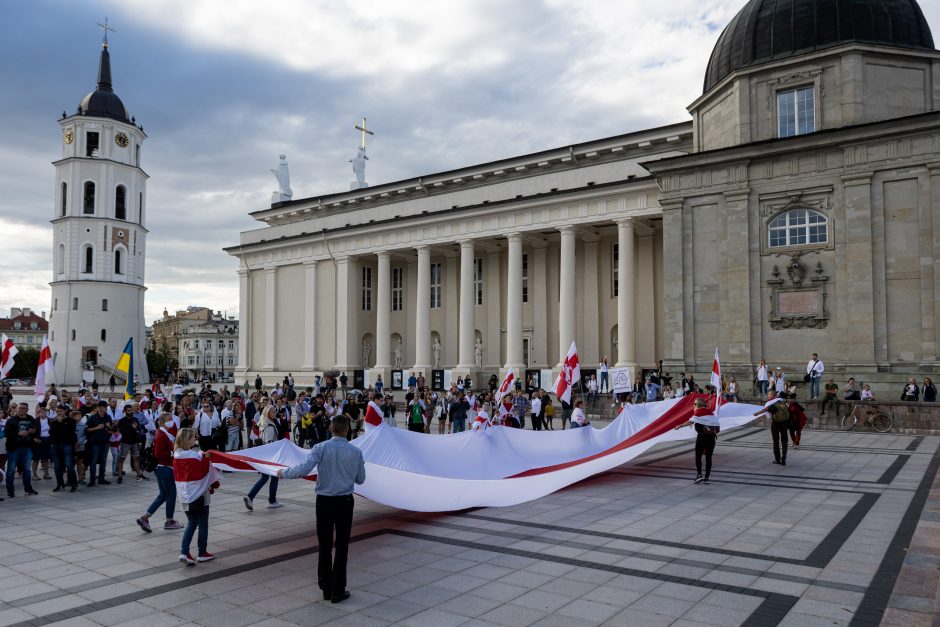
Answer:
(435, 286)
(367, 288)
(796, 112)
(191, 360)
(478, 281)
(231, 360)
(75, 304)
(231, 344)
(614, 270)
(195, 343)
(91, 144)
(398, 289)
(525, 277)
(221, 360)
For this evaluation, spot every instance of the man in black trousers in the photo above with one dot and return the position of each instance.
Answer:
(339, 466)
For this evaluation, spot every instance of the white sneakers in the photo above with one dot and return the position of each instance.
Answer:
(274, 505)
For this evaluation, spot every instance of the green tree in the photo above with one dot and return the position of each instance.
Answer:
(25, 363)
(160, 362)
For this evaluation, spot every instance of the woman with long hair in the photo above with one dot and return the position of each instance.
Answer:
(195, 479)
(268, 426)
(163, 444)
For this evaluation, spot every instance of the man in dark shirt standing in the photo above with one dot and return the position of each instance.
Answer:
(20, 432)
(98, 433)
(339, 465)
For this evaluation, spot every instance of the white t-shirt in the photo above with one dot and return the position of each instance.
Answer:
(536, 406)
(762, 373)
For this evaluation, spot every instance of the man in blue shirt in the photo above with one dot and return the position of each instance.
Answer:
(339, 465)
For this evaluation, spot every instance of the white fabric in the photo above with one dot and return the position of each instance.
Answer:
(489, 459)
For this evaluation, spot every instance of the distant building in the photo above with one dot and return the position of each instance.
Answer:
(24, 327)
(202, 341)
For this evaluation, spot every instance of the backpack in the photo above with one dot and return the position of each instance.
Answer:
(148, 461)
(781, 414)
(417, 416)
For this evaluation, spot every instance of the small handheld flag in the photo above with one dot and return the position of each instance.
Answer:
(44, 371)
(569, 375)
(716, 380)
(126, 365)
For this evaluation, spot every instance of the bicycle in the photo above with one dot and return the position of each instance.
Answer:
(876, 420)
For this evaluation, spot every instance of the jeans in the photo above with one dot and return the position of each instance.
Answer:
(333, 513)
(778, 431)
(22, 455)
(97, 461)
(197, 517)
(272, 489)
(63, 456)
(605, 383)
(115, 461)
(232, 442)
(814, 387)
(167, 487)
(460, 424)
(762, 388)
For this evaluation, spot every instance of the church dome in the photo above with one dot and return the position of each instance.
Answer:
(771, 30)
(103, 102)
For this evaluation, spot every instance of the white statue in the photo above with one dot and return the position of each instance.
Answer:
(359, 169)
(283, 181)
(398, 355)
(366, 353)
(478, 353)
(437, 352)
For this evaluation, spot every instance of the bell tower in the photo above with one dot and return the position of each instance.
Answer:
(99, 237)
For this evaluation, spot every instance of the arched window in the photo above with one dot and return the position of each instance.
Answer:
(104, 304)
(118, 262)
(798, 227)
(89, 260)
(60, 262)
(120, 202)
(88, 205)
(104, 335)
(65, 197)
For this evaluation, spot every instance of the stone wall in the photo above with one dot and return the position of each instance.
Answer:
(913, 418)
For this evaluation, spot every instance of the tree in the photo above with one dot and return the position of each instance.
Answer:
(25, 364)
(161, 363)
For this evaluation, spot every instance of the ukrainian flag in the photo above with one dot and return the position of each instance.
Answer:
(126, 365)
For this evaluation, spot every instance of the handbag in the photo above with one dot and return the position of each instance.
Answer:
(807, 378)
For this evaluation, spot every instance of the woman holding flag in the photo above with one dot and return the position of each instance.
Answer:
(196, 480)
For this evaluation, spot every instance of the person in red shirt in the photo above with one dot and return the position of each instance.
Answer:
(163, 443)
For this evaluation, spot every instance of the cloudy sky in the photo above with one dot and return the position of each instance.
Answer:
(222, 86)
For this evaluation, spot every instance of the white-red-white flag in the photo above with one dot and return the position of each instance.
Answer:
(716, 373)
(506, 386)
(374, 415)
(44, 371)
(8, 351)
(569, 375)
(193, 474)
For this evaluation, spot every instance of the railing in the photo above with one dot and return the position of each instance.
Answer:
(110, 369)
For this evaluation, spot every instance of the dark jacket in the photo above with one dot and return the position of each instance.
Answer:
(63, 432)
(14, 425)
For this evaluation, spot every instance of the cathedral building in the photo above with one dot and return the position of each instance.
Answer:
(99, 238)
(796, 212)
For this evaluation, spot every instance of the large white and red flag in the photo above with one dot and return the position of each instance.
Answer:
(506, 386)
(569, 375)
(8, 351)
(44, 371)
(374, 415)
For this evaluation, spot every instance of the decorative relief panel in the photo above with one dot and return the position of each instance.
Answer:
(799, 301)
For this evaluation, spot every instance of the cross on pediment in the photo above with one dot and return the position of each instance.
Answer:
(365, 131)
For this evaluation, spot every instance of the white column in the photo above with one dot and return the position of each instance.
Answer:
(492, 342)
(566, 294)
(423, 312)
(310, 315)
(465, 358)
(626, 295)
(538, 296)
(383, 339)
(244, 331)
(588, 349)
(514, 357)
(343, 314)
(270, 318)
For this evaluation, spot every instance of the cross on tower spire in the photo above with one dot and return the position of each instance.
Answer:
(365, 131)
(106, 27)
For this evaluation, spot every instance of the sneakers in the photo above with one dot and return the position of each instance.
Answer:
(172, 524)
(248, 505)
(58, 488)
(139, 478)
(120, 480)
(32, 493)
(187, 559)
(144, 477)
(698, 479)
(106, 482)
(705, 481)
(274, 505)
(205, 556)
(144, 524)
(74, 488)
